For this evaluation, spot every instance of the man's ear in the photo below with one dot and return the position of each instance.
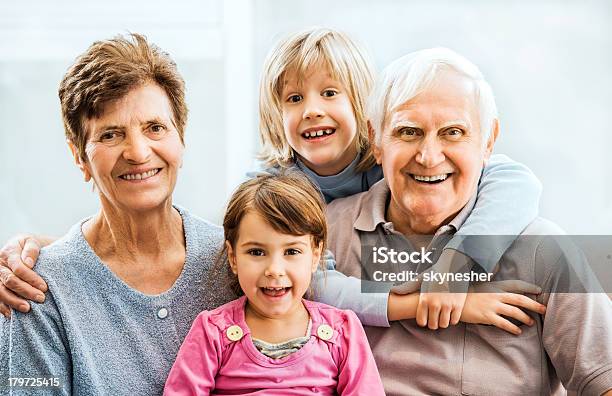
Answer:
(79, 161)
(316, 257)
(231, 257)
(492, 139)
(373, 145)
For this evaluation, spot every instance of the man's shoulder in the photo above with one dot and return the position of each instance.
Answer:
(542, 226)
(344, 209)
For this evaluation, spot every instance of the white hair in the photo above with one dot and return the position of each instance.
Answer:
(414, 73)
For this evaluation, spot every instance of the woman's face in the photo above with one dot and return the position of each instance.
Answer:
(134, 151)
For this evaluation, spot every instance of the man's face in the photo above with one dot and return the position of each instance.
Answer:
(432, 154)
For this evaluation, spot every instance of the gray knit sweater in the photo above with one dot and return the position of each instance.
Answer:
(97, 335)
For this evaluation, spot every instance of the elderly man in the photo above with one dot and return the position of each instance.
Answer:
(433, 126)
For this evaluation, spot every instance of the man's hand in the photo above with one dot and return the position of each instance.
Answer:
(17, 279)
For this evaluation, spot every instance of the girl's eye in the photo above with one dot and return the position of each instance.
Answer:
(328, 93)
(292, 252)
(294, 98)
(256, 252)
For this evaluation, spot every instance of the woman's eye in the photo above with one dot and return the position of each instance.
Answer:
(256, 252)
(292, 252)
(157, 128)
(108, 136)
(294, 98)
(328, 93)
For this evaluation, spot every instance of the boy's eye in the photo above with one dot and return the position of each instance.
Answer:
(256, 252)
(292, 252)
(294, 98)
(328, 93)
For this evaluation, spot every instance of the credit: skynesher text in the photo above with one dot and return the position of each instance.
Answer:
(445, 277)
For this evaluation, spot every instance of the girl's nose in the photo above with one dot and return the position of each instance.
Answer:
(275, 268)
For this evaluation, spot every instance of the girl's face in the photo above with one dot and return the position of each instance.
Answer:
(274, 269)
(318, 120)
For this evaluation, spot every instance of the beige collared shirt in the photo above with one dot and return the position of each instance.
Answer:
(571, 344)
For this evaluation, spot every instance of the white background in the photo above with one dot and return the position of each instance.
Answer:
(549, 62)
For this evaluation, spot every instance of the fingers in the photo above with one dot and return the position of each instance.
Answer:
(445, 316)
(456, 316)
(516, 313)
(422, 312)
(8, 298)
(12, 282)
(505, 324)
(5, 311)
(433, 316)
(30, 252)
(519, 300)
(25, 274)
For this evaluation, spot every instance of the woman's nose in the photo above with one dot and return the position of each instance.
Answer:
(137, 148)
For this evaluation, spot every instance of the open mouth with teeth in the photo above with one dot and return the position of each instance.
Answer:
(435, 179)
(275, 291)
(309, 135)
(140, 176)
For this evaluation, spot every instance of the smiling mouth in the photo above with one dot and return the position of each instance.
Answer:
(434, 179)
(309, 135)
(140, 176)
(275, 291)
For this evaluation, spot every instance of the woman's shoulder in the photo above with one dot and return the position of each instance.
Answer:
(68, 249)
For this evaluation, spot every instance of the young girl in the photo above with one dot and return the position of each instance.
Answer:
(312, 118)
(271, 340)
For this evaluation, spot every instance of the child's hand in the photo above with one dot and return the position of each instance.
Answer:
(487, 302)
(441, 302)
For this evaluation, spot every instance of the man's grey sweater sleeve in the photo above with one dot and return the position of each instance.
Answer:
(34, 346)
(334, 288)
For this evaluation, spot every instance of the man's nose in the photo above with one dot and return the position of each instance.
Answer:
(137, 148)
(430, 153)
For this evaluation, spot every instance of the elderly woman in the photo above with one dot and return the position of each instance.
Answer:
(126, 283)
(434, 124)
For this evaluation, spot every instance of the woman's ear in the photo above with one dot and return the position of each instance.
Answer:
(316, 257)
(231, 257)
(79, 161)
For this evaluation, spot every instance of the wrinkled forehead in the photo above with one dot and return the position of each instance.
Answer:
(450, 96)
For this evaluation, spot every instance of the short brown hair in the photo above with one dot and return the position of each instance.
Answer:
(289, 202)
(106, 72)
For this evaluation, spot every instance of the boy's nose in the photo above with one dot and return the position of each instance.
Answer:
(313, 109)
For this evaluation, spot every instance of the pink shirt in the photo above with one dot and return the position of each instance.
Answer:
(218, 358)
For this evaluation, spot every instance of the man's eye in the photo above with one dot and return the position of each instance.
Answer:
(328, 93)
(454, 132)
(256, 252)
(294, 98)
(292, 252)
(407, 132)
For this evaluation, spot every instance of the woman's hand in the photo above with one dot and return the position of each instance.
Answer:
(487, 302)
(17, 279)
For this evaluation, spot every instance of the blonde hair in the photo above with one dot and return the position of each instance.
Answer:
(289, 202)
(299, 52)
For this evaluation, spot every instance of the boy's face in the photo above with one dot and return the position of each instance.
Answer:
(274, 269)
(318, 120)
